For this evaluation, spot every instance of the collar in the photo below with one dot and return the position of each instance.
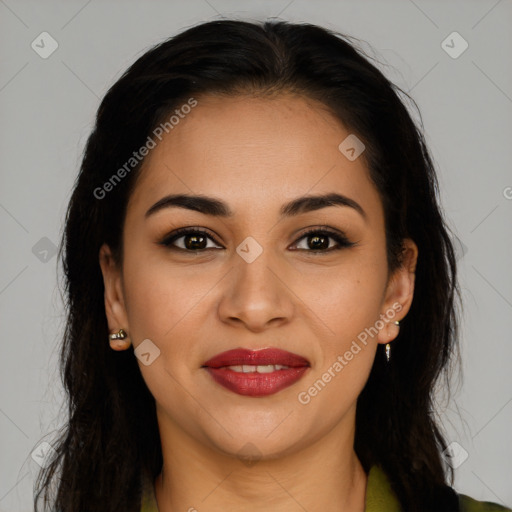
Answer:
(379, 495)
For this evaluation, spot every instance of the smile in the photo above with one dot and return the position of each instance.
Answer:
(256, 373)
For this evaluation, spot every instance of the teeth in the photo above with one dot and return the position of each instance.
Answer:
(262, 368)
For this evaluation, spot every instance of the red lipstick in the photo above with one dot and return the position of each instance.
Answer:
(256, 372)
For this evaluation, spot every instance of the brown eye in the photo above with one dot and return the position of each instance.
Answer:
(318, 240)
(194, 240)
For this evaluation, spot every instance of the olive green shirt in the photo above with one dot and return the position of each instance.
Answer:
(379, 497)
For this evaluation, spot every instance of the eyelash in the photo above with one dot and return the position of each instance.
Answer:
(341, 240)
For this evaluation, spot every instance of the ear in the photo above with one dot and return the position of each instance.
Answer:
(399, 291)
(114, 299)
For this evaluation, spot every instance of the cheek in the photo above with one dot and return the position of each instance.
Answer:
(347, 297)
(349, 306)
(348, 300)
(155, 295)
(166, 301)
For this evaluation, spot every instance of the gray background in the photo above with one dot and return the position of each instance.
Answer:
(47, 108)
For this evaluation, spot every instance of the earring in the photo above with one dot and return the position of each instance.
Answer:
(116, 340)
(388, 346)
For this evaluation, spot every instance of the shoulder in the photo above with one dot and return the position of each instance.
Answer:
(468, 504)
(381, 498)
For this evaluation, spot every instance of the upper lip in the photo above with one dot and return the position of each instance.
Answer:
(241, 356)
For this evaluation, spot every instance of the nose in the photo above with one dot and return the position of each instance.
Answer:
(256, 295)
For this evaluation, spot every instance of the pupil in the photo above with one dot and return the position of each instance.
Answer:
(317, 245)
(194, 244)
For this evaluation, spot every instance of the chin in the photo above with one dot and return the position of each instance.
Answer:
(252, 442)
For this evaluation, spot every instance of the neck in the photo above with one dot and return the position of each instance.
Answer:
(326, 475)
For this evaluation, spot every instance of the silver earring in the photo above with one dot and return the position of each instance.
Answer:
(388, 346)
(119, 335)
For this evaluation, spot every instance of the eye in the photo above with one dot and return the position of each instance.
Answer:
(195, 240)
(319, 240)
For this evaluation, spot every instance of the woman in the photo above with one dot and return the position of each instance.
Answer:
(255, 213)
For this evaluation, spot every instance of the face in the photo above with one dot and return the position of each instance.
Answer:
(256, 279)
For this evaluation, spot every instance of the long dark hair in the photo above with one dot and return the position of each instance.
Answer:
(110, 444)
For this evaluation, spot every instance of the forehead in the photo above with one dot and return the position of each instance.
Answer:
(252, 152)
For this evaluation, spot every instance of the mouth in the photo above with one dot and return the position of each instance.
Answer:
(256, 373)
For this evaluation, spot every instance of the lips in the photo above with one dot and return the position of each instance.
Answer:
(248, 372)
(265, 356)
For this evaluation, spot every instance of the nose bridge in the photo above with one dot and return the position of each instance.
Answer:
(254, 272)
(256, 294)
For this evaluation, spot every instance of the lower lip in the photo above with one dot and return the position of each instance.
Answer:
(254, 383)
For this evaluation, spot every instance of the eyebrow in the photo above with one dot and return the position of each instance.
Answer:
(217, 208)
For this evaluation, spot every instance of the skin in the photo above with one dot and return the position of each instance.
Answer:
(255, 154)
